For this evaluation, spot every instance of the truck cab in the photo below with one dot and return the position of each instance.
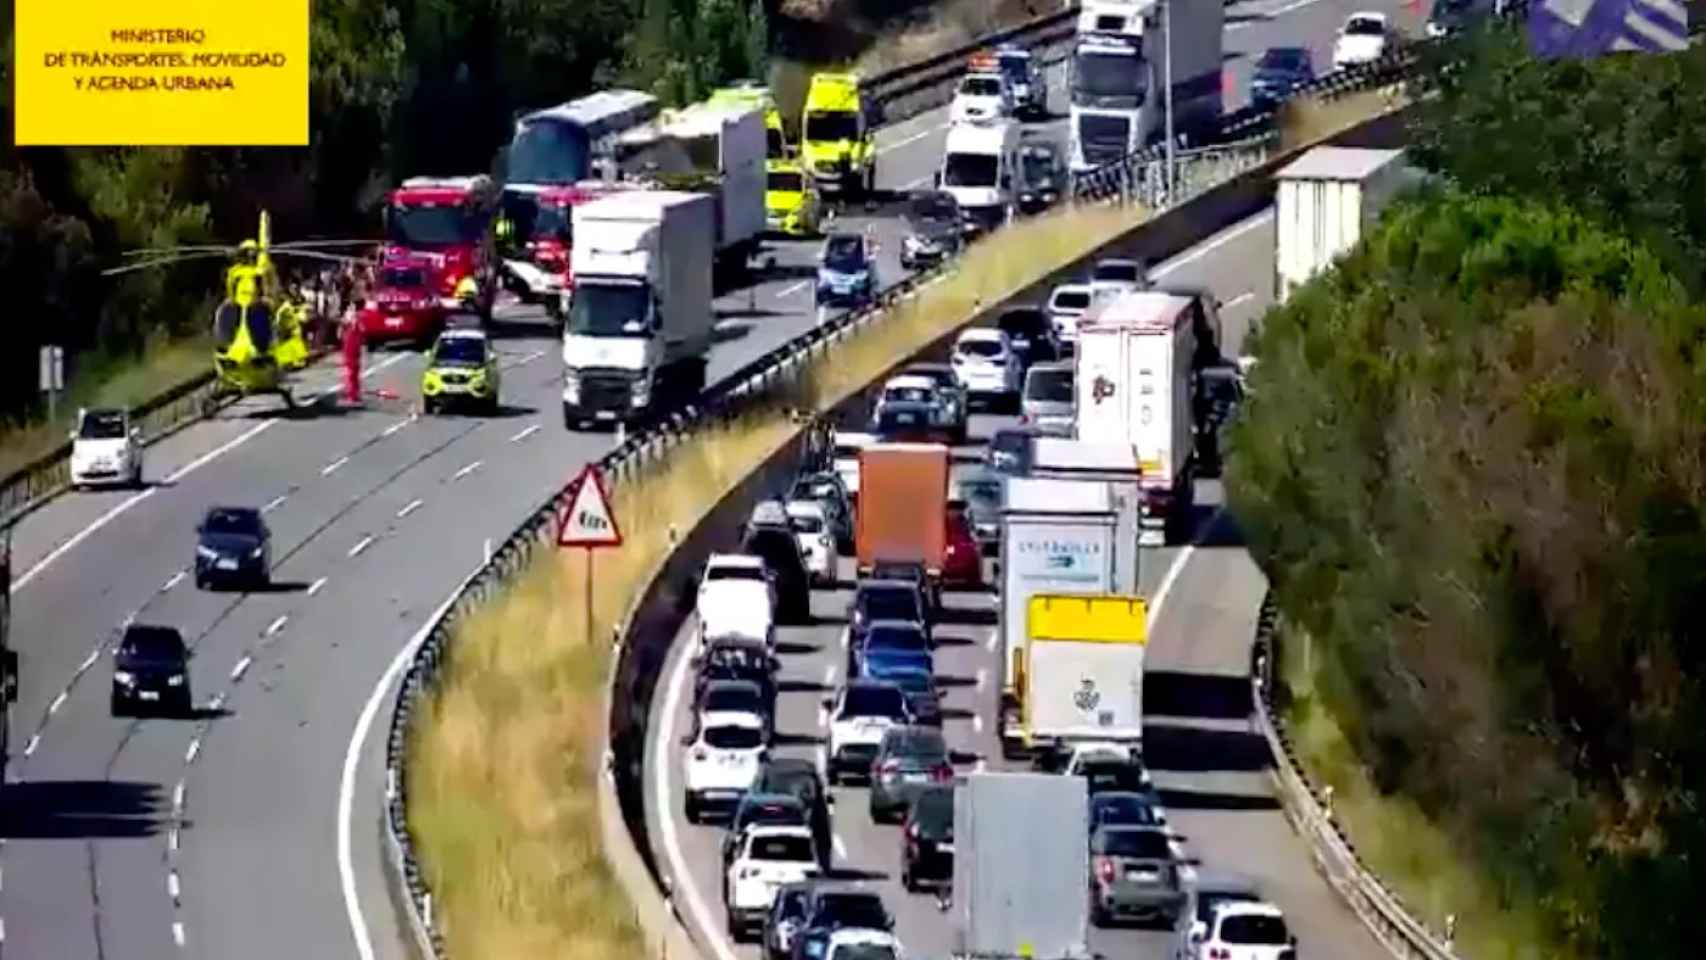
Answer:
(447, 225)
(979, 163)
(537, 264)
(837, 137)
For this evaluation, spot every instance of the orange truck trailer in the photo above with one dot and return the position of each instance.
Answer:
(903, 505)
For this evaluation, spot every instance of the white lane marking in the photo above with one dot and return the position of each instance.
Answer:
(195, 748)
(172, 581)
(982, 677)
(2, 929)
(470, 468)
(278, 624)
(829, 675)
(217, 703)
(363, 545)
(352, 760)
(89, 660)
(274, 503)
(1197, 253)
(173, 888)
(393, 428)
(792, 289)
(1177, 566)
(172, 840)
(523, 435)
(178, 932)
(114, 513)
(373, 368)
(846, 637)
(840, 847)
(529, 358)
(409, 508)
(912, 139)
(681, 875)
(178, 797)
(314, 587)
(994, 635)
(35, 741)
(329, 468)
(58, 702)
(977, 723)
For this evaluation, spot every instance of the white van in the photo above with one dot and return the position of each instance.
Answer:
(979, 162)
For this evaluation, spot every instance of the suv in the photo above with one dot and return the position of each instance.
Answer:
(859, 714)
(780, 550)
(723, 758)
(1134, 873)
(105, 448)
(735, 659)
(233, 545)
(954, 395)
(798, 778)
(1067, 305)
(847, 271)
(462, 367)
(737, 598)
(1046, 402)
(766, 858)
(908, 760)
(761, 810)
(927, 851)
(151, 666)
(933, 229)
(912, 572)
(892, 643)
(1243, 930)
(841, 908)
(787, 912)
(829, 489)
(1042, 175)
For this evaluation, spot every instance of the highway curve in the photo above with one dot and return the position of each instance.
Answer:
(216, 837)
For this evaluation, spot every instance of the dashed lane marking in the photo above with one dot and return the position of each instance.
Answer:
(242, 666)
(193, 751)
(275, 503)
(332, 467)
(792, 289)
(523, 435)
(278, 624)
(409, 508)
(172, 581)
(470, 468)
(314, 587)
(363, 545)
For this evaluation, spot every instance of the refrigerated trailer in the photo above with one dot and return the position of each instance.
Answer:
(1325, 200)
(1020, 865)
(1084, 670)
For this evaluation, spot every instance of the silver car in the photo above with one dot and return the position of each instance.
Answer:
(1046, 402)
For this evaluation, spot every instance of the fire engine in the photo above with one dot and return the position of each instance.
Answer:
(537, 262)
(438, 234)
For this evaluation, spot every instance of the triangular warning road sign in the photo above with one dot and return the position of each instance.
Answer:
(589, 521)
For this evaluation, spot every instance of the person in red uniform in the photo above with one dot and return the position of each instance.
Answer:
(353, 342)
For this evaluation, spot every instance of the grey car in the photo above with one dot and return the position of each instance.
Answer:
(909, 760)
(955, 403)
(1046, 402)
(979, 488)
(1134, 874)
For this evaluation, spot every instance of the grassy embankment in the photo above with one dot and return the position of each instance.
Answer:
(503, 759)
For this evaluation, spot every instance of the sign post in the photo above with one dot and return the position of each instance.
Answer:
(52, 375)
(589, 523)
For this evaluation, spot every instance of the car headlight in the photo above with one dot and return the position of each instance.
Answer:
(255, 554)
(124, 677)
(206, 553)
(175, 680)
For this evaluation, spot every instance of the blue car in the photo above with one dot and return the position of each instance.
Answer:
(913, 675)
(846, 271)
(886, 637)
(1280, 71)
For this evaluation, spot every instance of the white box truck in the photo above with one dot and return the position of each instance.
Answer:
(1115, 464)
(1057, 536)
(716, 147)
(638, 328)
(1326, 198)
(1136, 384)
(1020, 865)
(1084, 670)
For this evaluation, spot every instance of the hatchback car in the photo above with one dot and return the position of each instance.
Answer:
(1365, 38)
(780, 551)
(105, 448)
(1046, 402)
(953, 395)
(832, 907)
(462, 368)
(916, 681)
(151, 671)
(1243, 930)
(1280, 71)
(811, 527)
(829, 489)
(1202, 899)
(909, 760)
(881, 597)
(933, 229)
(987, 367)
(1031, 334)
(893, 640)
(732, 659)
(1067, 305)
(233, 547)
(765, 810)
(847, 271)
(1042, 175)
(1126, 808)
(1134, 873)
(927, 839)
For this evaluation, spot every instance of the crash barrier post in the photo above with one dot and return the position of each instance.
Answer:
(1166, 234)
(1330, 849)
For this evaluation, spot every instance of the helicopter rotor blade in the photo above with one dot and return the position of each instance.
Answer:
(162, 262)
(170, 251)
(316, 244)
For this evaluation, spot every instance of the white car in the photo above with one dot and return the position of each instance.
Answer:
(847, 447)
(1241, 930)
(1117, 275)
(981, 96)
(737, 597)
(769, 857)
(987, 365)
(105, 448)
(811, 527)
(722, 761)
(859, 714)
(911, 388)
(1067, 305)
(1363, 39)
(852, 943)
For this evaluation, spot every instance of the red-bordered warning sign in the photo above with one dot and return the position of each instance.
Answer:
(589, 521)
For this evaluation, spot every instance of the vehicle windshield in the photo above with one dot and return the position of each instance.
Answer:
(1254, 929)
(909, 679)
(844, 254)
(1024, 322)
(858, 911)
(730, 571)
(1039, 166)
(732, 738)
(429, 225)
(806, 523)
(980, 87)
(152, 643)
(924, 745)
(825, 126)
(102, 425)
(548, 151)
(1364, 27)
(459, 352)
(909, 395)
(873, 702)
(862, 951)
(783, 811)
(1071, 300)
(1150, 844)
(893, 603)
(1288, 59)
(731, 699)
(232, 521)
(969, 170)
(1124, 809)
(1015, 67)
(785, 182)
(895, 638)
(1109, 75)
(934, 206)
(1116, 272)
(1112, 775)
(991, 349)
(609, 310)
(552, 222)
(780, 848)
(1049, 386)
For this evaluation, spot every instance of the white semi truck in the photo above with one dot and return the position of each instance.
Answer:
(638, 330)
(1119, 77)
(1020, 865)
(1136, 382)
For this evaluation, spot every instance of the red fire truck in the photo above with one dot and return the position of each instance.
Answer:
(539, 264)
(438, 233)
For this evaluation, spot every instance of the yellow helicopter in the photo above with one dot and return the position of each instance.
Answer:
(259, 325)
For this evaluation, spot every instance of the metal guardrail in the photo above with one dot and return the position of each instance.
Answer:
(1310, 812)
(906, 91)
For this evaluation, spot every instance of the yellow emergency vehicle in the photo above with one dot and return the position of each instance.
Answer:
(462, 368)
(750, 94)
(837, 139)
(791, 203)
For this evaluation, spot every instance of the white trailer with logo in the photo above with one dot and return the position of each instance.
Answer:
(1057, 536)
(1136, 384)
(1084, 664)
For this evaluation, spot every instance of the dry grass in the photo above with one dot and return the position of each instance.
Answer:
(947, 25)
(1309, 120)
(504, 756)
(1397, 840)
(127, 381)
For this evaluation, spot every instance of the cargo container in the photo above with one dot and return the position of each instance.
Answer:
(1325, 200)
(1084, 670)
(903, 505)
(1020, 866)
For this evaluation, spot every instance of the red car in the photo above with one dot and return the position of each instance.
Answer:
(962, 565)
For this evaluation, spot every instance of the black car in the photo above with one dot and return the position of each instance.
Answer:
(732, 696)
(151, 669)
(780, 550)
(933, 229)
(1110, 776)
(735, 658)
(1452, 16)
(881, 598)
(233, 547)
(798, 777)
(927, 854)
(832, 907)
(787, 912)
(762, 809)
(913, 572)
(1280, 71)
(828, 488)
(1031, 333)
(1042, 176)
(906, 421)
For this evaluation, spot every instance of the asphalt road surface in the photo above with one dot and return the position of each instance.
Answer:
(218, 836)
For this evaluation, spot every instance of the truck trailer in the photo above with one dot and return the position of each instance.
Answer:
(1084, 670)
(1020, 866)
(638, 329)
(1136, 383)
(1326, 198)
(903, 505)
